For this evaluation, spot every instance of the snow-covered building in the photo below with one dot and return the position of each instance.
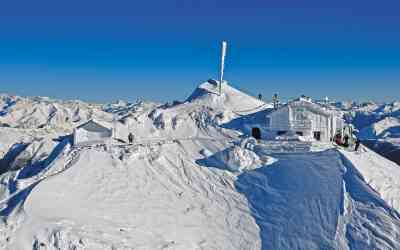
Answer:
(304, 118)
(92, 132)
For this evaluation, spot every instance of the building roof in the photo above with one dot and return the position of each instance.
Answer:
(307, 103)
(93, 126)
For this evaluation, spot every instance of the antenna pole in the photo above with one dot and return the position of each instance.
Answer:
(221, 76)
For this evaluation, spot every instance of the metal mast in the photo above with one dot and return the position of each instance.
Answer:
(221, 76)
(275, 101)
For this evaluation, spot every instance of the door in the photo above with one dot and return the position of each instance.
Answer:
(256, 133)
(317, 135)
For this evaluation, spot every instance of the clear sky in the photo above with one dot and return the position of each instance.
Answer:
(160, 50)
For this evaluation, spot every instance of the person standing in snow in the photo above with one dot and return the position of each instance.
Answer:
(358, 142)
(338, 139)
(346, 141)
(260, 96)
(130, 138)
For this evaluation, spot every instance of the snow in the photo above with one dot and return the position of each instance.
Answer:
(234, 100)
(388, 127)
(379, 128)
(296, 200)
(317, 201)
(380, 173)
(237, 159)
(138, 204)
(39, 112)
(191, 179)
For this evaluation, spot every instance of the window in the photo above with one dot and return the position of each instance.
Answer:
(317, 135)
(299, 133)
(300, 114)
(281, 132)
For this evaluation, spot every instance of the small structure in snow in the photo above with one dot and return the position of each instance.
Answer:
(302, 117)
(92, 132)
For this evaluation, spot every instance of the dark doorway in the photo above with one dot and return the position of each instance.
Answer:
(281, 132)
(256, 133)
(317, 135)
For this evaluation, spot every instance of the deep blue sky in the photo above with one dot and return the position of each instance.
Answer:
(160, 50)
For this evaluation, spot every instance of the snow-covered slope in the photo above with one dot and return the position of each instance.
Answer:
(380, 173)
(386, 128)
(190, 181)
(163, 202)
(367, 115)
(201, 113)
(317, 201)
(42, 112)
(379, 127)
(207, 94)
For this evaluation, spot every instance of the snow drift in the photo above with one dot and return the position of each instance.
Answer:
(189, 181)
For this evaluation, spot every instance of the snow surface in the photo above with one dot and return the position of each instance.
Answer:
(380, 173)
(388, 127)
(378, 126)
(190, 180)
(138, 204)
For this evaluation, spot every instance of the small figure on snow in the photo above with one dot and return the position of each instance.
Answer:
(346, 141)
(338, 139)
(260, 96)
(130, 138)
(358, 142)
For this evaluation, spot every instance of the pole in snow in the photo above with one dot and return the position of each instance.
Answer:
(221, 76)
(275, 101)
(115, 118)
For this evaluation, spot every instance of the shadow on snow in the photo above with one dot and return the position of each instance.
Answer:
(296, 201)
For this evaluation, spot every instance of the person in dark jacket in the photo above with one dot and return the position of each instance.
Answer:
(358, 142)
(130, 138)
(338, 140)
(346, 141)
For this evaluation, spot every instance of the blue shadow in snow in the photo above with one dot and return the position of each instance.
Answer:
(244, 123)
(296, 201)
(34, 169)
(8, 105)
(17, 200)
(10, 156)
(213, 161)
(360, 191)
(29, 171)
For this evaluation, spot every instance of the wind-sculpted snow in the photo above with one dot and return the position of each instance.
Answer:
(235, 159)
(314, 201)
(191, 179)
(163, 202)
(370, 222)
(232, 99)
(296, 201)
(380, 173)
